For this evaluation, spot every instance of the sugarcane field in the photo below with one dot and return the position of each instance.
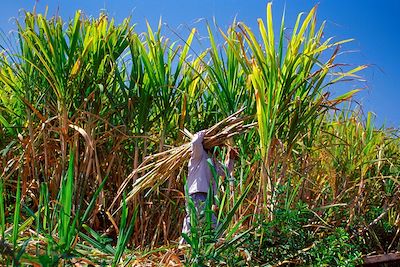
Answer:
(133, 142)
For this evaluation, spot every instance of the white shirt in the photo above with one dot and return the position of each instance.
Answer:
(200, 175)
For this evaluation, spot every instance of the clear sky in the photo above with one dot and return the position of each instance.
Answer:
(375, 26)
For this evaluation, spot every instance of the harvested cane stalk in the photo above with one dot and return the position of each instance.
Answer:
(160, 167)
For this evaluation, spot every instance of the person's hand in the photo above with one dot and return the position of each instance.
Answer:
(233, 153)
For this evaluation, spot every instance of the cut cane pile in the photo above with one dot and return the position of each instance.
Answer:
(158, 168)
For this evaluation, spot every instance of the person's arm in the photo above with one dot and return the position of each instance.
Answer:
(197, 145)
(231, 156)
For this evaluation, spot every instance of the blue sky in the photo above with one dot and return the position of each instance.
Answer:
(373, 24)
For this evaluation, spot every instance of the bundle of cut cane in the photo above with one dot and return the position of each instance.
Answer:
(159, 167)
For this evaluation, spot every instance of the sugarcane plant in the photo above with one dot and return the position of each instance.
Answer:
(96, 121)
(289, 81)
